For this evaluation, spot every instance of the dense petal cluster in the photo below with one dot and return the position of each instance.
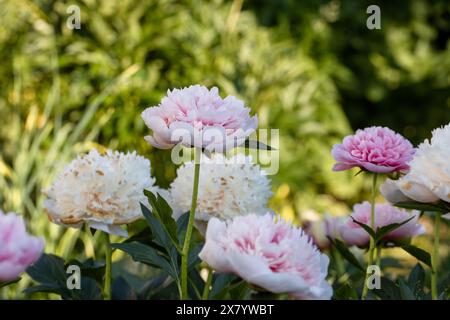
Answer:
(385, 214)
(18, 249)
(103, 190)
(268, 253)
(199, 117)
(428, 179)
(374, 149)
(228, 187)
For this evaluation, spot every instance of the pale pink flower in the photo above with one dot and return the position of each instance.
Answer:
(18, 249)
(196, 116)
(375, 149)
(268, 253)
(385, 214)
(321, 230)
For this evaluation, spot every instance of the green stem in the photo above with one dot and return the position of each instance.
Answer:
(378, 261)
(207, 288)
(372, 240)
(340, 267)
(187, 239)
(435, 258)
(108, 258)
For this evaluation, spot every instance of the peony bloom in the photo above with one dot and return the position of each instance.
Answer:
(320, 230)
(268, 253)
(375, 149)
(385, 214)
(428, 180)
(103, 190)
(228, 187)
(18, 250)
(196, 116)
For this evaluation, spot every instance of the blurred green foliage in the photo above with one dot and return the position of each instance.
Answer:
(309, 68)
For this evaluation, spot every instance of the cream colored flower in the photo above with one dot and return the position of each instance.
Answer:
(227, 188)
(102, 190)
(428, 180)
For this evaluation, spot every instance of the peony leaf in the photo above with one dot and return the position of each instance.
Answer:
(430, 207)
(157, 230)
(163, 213)
(345, 292)
(182, 224)
(405, 290)
(416, 280)
(50, 272)
(368, 229)
(7, 283)
(122, 290)
(389, 290)
(146, 254)
(343, 250)
(381, 232)
(419, 254)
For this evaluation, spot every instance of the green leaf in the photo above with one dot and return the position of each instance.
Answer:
(144, 236)
(195, 284)
(251, 144)
(405, 290)
(163, 213)
(368, 229)
(121, 290)
(345, 292)
(89, 268)
(381, 232)
(239, 291)
(152, 286)
(220, 285)
(7, 283)
(145, 254)
(182, 224)
(416, 280)
(193, 258)
(419, 254)
(49, 271)
(161, 237)
(46, 288)
(343, 250)
(389, 290)
(430, 207)
(90, 290)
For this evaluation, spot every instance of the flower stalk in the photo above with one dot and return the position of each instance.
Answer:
(208, 283)
(108, 269)
(435, 258)
(187, 239)
(372, 240)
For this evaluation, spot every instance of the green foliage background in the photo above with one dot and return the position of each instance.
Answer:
(309, 68)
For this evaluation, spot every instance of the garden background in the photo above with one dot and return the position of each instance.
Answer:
(309, 68)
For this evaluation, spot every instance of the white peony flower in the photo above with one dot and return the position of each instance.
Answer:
(428, 180)
(102, 190)
(227, 188)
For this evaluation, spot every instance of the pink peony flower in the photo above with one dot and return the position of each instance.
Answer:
(18, 250)
(196, 116)
(385, 214)
(268, 253)
(320, 230)
(375, 149)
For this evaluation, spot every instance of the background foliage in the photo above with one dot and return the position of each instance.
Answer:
(310, 68)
